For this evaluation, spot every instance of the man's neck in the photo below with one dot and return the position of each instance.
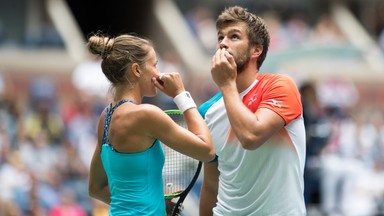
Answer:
(245, 79)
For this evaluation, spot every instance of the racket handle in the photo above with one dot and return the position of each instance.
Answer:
(176, 210)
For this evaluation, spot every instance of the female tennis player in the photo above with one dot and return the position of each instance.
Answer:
(126, 168)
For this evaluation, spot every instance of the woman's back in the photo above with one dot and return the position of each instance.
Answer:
(133, 178)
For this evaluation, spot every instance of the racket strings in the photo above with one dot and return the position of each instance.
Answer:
(179, 169)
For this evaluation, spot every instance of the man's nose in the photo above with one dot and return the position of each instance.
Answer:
(223, 43)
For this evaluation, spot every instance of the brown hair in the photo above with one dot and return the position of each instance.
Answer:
(257, 29)
(118, 54)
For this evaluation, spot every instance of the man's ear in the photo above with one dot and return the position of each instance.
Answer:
(256, 51)
(136, 69)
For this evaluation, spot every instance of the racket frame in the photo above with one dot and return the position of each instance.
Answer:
(182, 194)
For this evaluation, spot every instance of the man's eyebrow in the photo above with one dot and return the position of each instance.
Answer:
(230, 31)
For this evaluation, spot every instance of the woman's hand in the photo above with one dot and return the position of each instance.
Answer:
(169, 83)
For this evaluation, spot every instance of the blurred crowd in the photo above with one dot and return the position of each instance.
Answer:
(45, 151)
(344, 170)
(46, 141)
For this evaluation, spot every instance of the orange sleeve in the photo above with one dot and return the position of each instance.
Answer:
(282, 96)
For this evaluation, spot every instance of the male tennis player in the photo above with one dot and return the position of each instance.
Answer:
(256, 125)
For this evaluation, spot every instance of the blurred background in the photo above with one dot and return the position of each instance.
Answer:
(52, 92)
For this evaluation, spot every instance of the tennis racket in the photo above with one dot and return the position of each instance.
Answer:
(180, 171)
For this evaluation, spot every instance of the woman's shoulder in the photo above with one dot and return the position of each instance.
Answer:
(141, 111)
(148, 109)
(141, 117)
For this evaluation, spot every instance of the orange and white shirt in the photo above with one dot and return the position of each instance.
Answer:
(268, 180)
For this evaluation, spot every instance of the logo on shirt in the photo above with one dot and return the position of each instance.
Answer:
(252, 99)
(275, 103)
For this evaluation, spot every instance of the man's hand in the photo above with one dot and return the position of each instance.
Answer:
(224, 69)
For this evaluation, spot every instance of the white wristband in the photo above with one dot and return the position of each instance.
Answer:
(184, 101)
